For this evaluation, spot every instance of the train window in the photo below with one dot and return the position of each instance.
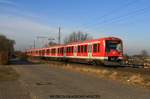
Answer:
(53, 51)
(82, 49)
(72, 49)
(58, 50)
(43, 52)
(62, 50)
(68, 49)
(40, 52)
(96, 48)
(113, 45)
(79, 49)
(47, 51)
(85, 48)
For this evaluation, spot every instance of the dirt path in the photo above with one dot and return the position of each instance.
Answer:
(13, 90)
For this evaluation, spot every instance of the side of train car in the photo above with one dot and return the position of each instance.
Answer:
(107, 50)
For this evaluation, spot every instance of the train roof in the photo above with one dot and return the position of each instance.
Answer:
(94, 40)
(73, 43)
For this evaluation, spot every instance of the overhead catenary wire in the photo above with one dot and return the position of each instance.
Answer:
(119, 18)
(112, 12)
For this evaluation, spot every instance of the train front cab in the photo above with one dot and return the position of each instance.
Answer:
(113, 51)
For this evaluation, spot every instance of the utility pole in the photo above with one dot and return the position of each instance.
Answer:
(46, 38)
(59, 39)
(34, 43)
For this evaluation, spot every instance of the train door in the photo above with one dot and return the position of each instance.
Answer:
(65, 51)
(96, 49)
(75, 51)
(90, 50)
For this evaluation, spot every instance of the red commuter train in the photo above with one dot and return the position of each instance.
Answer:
(108, 51)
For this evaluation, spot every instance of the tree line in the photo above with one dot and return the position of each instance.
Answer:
(6, 49)
(74, 37)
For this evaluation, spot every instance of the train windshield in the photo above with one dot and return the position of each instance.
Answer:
(113, 45)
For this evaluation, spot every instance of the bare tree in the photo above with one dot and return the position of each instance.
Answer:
(77, 36)
(52, 43)
(144, 53)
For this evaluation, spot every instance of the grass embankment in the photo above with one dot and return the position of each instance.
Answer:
(8, 73)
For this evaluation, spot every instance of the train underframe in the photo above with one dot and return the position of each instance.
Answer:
(111, 61)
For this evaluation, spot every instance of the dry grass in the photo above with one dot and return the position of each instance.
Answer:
(136, 79)
(8, 73)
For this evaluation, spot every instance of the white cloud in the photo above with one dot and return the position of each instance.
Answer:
(24, 26)
(24, 31)
(19, 24)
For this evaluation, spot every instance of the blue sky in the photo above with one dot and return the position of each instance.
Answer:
(24, 20)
